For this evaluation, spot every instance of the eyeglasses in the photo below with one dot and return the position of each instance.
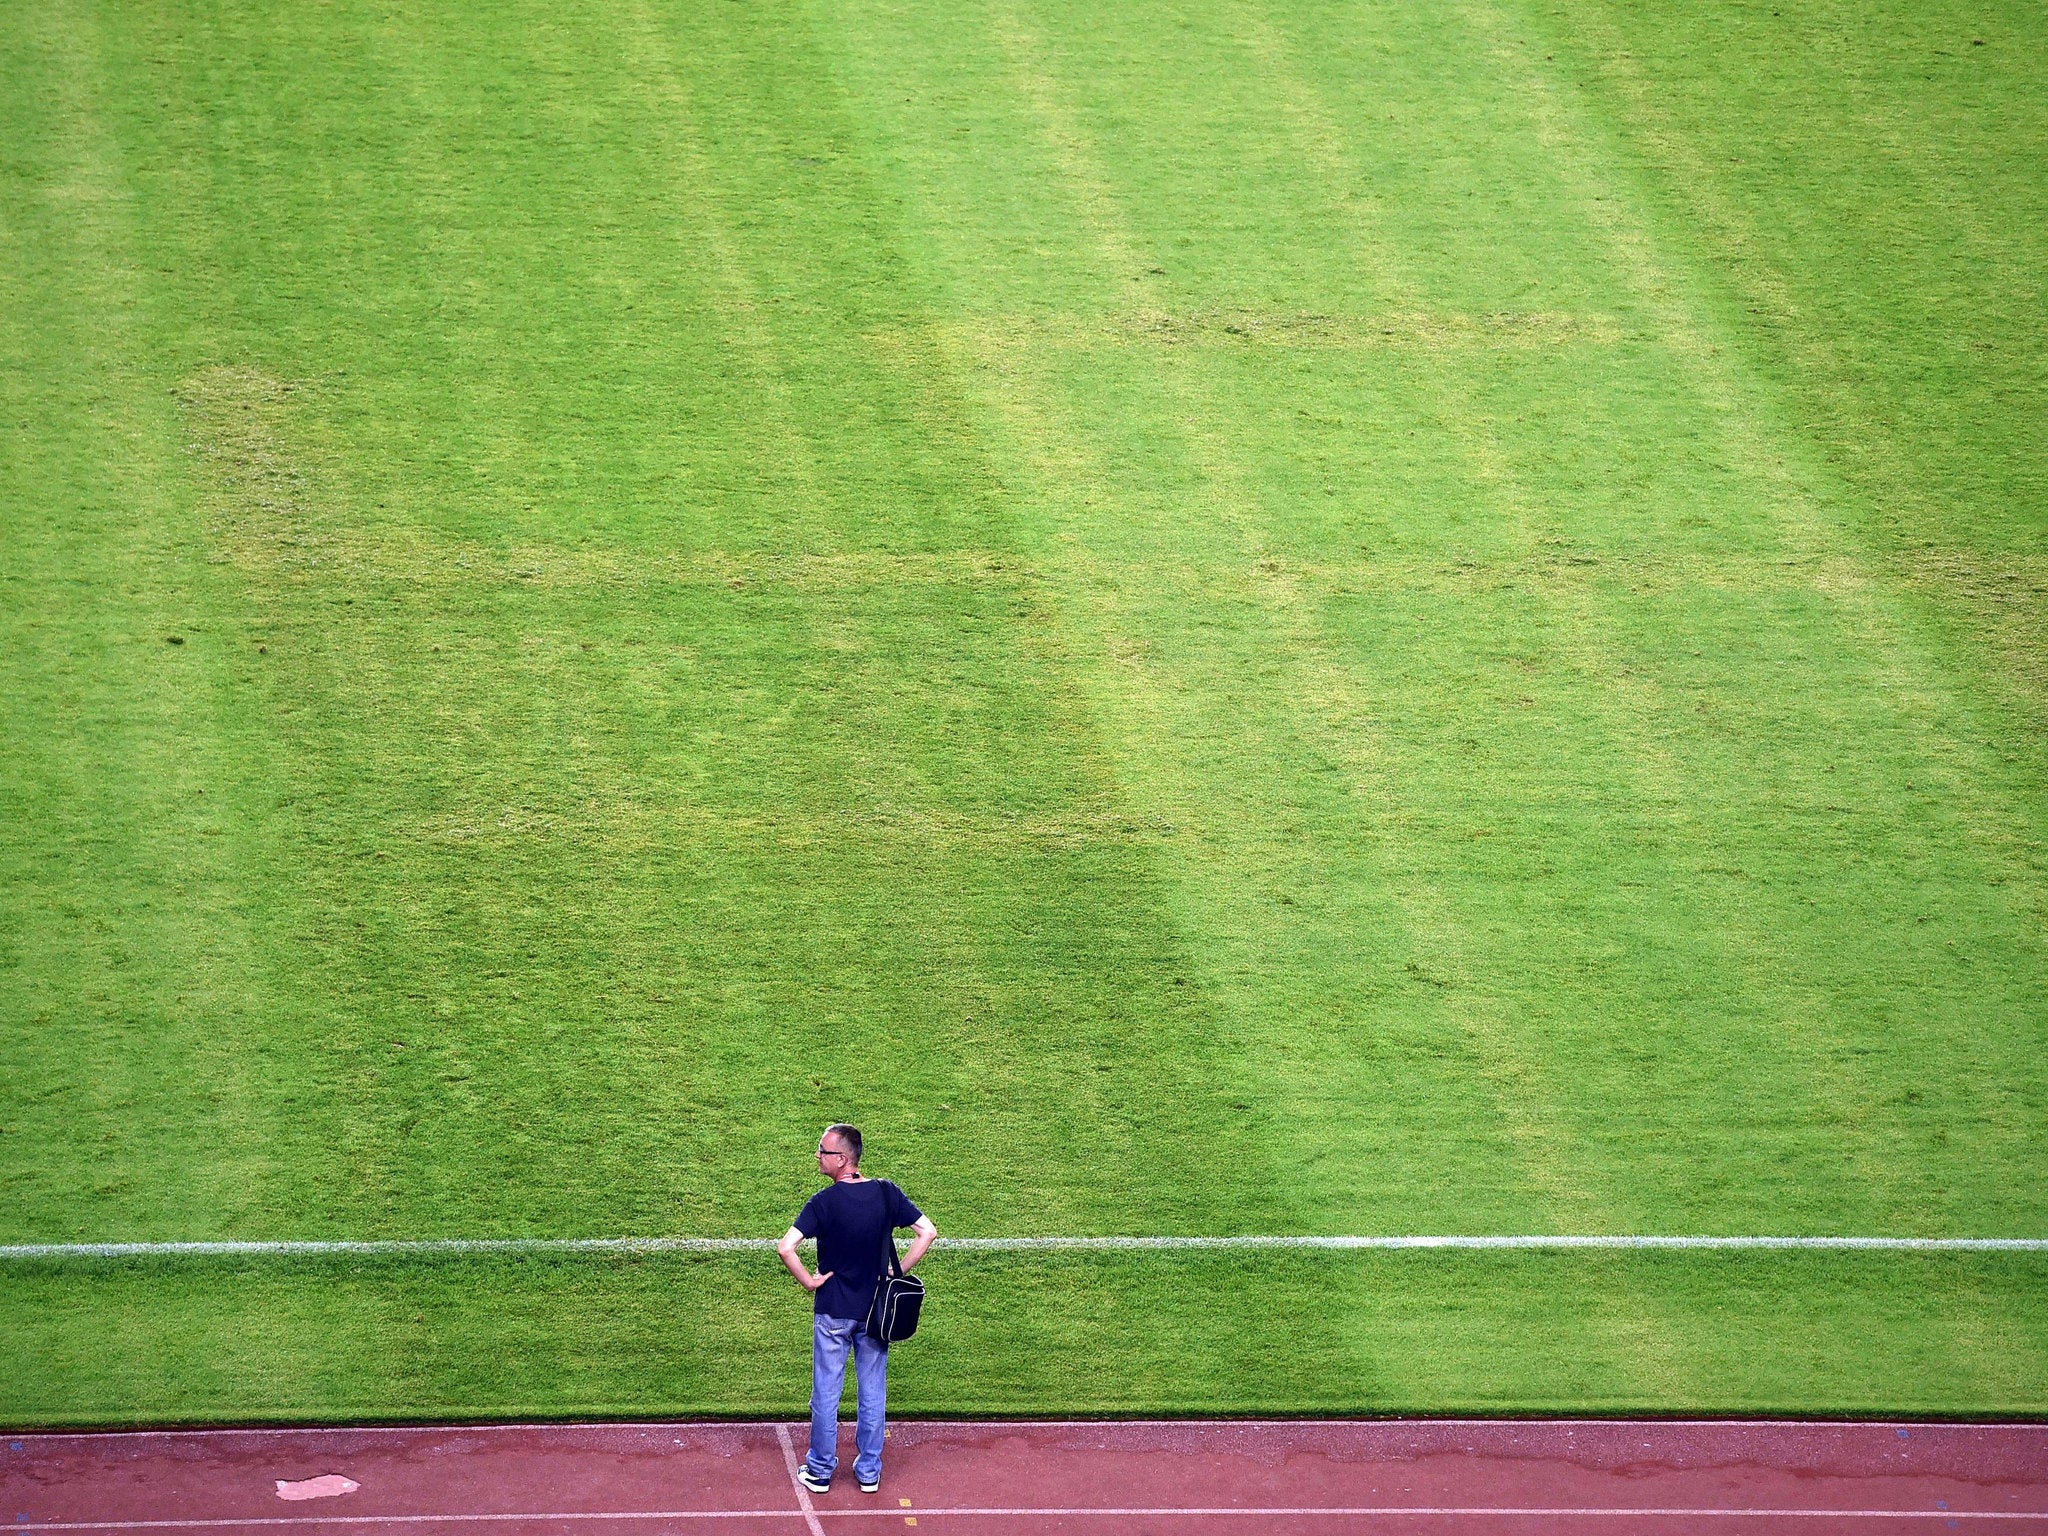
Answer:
(828, 1152)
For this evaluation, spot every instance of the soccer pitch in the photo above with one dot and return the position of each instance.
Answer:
(1212, 619)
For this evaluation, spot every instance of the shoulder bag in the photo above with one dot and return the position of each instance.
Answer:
(898, 1299)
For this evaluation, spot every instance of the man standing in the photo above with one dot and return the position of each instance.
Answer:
(852, 1217)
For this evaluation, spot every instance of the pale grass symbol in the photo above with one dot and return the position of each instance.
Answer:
(328, 1486)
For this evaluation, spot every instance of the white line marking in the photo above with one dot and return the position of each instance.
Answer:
(1951, 1244)
(1260, 1512)
(803, 1494)
(302, 1520)
(485, 1245)
(669, 1426)
(1437, 1511)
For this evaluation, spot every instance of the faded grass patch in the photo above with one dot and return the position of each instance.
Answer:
(1281, 329)
(270, 511)
(2001, 599)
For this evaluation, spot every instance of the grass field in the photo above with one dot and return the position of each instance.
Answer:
(1332, 618)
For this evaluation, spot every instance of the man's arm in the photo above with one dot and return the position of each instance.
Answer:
(925, 1233)
(786, 1249)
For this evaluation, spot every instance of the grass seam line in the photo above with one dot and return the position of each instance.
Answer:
(630, 1245)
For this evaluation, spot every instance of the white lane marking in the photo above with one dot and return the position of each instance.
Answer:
(803, 1494)
(669, 1426)
(485, 1245)
(1951, 1244)
(1225, 1511)
(784, 1513)
(1436, 1511)
(373, 1247)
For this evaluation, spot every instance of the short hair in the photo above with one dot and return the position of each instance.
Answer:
(848, 1138)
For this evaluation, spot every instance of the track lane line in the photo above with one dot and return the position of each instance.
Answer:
(667, 1426)
(812, 1515)
(803, 1494)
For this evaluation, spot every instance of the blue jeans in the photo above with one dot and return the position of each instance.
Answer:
(831, 1337)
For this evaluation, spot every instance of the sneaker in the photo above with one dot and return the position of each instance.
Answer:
(816, 1485)
(874, 1487)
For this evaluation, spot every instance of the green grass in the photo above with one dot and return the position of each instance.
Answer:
(1332, 618)
(1493, 1333)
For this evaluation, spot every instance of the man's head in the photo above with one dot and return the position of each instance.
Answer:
(839, 1151)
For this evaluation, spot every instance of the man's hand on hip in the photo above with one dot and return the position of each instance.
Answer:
(786, 1251)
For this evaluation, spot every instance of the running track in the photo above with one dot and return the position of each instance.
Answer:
(1599, 1478)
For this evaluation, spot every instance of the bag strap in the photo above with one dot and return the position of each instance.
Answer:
(895, 1265)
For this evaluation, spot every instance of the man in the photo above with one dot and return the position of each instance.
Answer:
(852, 1217)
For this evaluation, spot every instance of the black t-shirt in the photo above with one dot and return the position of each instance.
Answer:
(850, 1221)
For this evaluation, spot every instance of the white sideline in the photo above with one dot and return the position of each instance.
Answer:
(465, 1245)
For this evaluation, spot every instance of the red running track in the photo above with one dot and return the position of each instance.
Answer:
(1412, 1477)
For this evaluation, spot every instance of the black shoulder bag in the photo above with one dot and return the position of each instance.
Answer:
(898, 1299)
